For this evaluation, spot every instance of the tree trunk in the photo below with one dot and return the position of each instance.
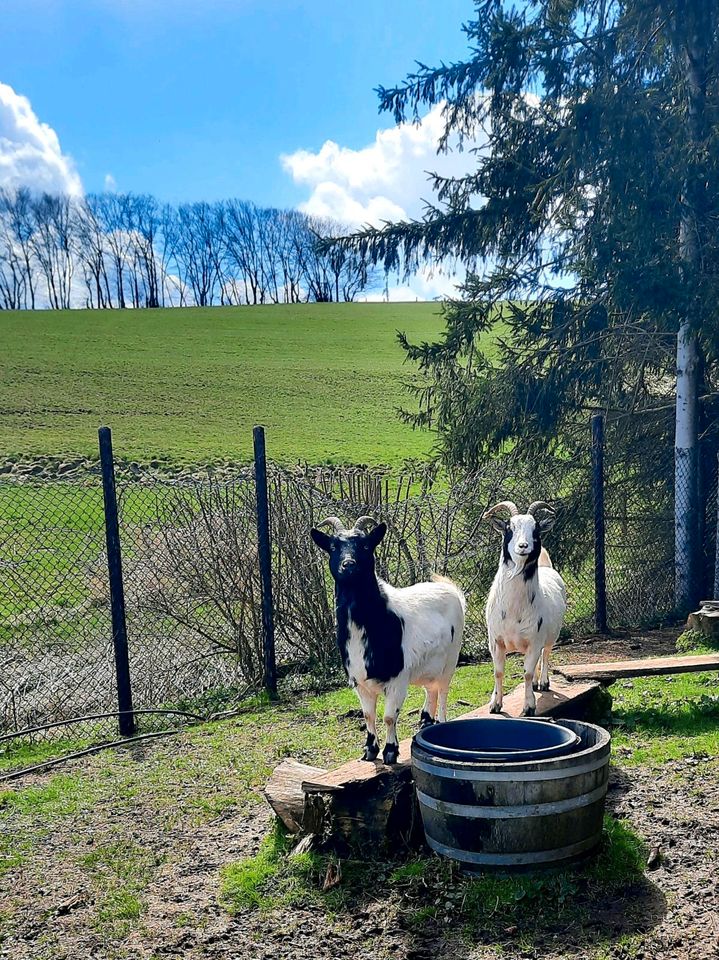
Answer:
(686, 460)
(690, 47)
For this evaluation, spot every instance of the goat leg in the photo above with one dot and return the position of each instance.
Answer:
(394, 698)
(530, 665)
(369, 710)
(499, 657)
(429, 708)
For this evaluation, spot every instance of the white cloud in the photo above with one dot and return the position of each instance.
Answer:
(30, 153)
(427, 284)
(110, 183)
(385, 181)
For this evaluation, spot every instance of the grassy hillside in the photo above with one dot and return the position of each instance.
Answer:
(324, 379)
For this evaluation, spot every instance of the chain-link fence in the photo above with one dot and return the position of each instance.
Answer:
(192, 588)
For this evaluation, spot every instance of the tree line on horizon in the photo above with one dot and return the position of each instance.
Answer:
(120, 250)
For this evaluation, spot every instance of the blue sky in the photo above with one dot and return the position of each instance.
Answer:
(199, 99)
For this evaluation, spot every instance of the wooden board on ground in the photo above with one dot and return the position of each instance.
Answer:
(372, 807)
(653, 666)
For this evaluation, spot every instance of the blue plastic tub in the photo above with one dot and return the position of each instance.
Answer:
(497, 738)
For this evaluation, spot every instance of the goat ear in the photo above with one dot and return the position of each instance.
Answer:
(498, 525)
(376, 535)
(323, 540)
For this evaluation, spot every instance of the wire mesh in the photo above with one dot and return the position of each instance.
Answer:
(56, 657)
(192, 586)
(192, 594)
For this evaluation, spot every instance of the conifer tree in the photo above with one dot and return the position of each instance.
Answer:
(589, 224)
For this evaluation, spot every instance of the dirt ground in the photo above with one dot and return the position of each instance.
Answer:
(51, 912)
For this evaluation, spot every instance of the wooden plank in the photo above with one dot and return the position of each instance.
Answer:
(652, 666)
(559, 700)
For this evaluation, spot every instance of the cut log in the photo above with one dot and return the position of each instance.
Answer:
(652, 666)
(370, 809)
(706, 620)
(284, 791)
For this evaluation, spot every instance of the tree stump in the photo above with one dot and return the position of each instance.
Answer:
(284, 791)
(706, 620)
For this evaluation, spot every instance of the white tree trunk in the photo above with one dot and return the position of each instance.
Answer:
(691, 31)
(686, 462)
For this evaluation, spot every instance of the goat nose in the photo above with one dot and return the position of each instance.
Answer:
(522, 544)
(348, 562)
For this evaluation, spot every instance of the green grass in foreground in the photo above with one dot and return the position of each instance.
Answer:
(668, 718)
(275, 878)
(120, 872)
(218, 769)
(189, 384)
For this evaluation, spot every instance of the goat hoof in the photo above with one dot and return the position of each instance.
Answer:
(495, 708)
(544, 686)
(370, 753)
(425, 720)
(528, 712)
(536, 687)
(390, 753)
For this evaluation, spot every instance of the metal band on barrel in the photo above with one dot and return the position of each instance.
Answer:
(492, 776)
(480, 812)
(514, 859)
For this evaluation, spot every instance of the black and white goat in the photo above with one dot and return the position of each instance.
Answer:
(390, 637)
(527, 600)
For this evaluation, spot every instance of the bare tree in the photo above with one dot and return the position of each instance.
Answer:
(51, 242)
(112, 211)
(17, 226)
(130, 250)
(198, 250)
(91, 246)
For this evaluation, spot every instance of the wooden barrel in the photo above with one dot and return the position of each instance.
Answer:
(527, 815)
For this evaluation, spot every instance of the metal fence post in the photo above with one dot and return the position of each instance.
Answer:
(600, 573)
(265, 559)
(117, 592)
(715, 592)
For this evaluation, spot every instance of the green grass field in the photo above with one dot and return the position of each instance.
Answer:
(188, 384)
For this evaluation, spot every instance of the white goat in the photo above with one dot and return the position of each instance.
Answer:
(527, 600)
(390, 637)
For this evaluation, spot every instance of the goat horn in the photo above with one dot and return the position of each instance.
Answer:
(539, 505)
(334, 522)
(361, 523)
(502, 505)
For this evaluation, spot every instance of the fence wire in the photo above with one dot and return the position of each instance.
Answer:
(56, 655)
(192, 585)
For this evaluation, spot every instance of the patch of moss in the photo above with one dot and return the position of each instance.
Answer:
(274, 877)
(694, 641)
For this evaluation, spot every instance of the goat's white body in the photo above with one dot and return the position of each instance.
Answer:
(524, 616)
(433, 616)
(433, 624)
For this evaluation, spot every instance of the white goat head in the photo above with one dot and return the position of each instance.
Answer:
(522, 532)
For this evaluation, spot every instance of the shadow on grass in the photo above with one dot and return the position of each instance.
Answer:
(425, 902)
